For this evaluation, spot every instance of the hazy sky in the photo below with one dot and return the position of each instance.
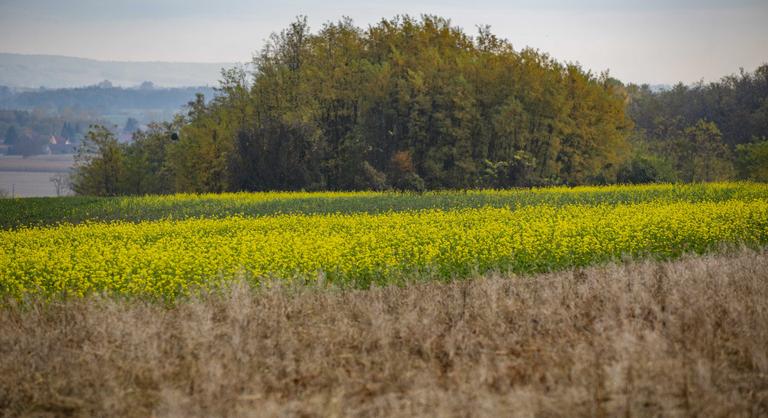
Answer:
(652, 41)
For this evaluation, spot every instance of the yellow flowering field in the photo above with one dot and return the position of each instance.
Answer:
(16, 213)
(167, 258)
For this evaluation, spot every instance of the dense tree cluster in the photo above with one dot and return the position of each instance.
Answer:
(407, 103)
(417, 104)
(703, 132)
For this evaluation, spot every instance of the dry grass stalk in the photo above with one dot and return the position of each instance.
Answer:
(683, 338)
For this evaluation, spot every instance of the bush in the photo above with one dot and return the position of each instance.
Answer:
(646, 169)
(374, 179)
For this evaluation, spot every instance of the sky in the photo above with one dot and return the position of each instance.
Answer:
(651, 41)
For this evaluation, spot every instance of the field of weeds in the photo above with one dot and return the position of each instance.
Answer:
(681, 338)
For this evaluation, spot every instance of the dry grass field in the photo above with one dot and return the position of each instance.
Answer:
(680, 338)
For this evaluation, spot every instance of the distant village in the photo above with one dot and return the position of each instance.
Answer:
(53, 121)
(28, 142)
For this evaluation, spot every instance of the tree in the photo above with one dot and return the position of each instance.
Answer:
(68, 131)
(61, 182)
(131, 126)
(99, 164)
(146, 160)
(27, 146)
(404, 176)
(752, 160)
(11, 136)
(645, 168)
(409, 103)
(374, 179)
(708, 155)
(737, 104)
(493, 172)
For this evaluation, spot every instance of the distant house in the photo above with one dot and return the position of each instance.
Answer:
(60, 145)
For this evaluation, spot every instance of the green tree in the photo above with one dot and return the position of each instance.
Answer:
(27, 146)
(11, 136)
(410, 103)
(68, 131)
(737, 104)
(99, 164)
(646, 168)
(131, 126)
(708, 156)
(146, 160)
(752, 160)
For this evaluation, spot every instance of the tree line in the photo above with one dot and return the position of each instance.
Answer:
(415, 104)
(102, 98)
(703, 132)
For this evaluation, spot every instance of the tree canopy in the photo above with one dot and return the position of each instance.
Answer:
(407, 103)
(708, 131)
(416, 103)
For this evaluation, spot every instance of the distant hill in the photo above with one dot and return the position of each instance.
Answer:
(52, 71)
(101, 99)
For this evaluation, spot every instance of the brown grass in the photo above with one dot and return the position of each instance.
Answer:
(684, 338)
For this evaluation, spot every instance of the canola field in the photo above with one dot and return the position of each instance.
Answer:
(359, 239)
(16, 213)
